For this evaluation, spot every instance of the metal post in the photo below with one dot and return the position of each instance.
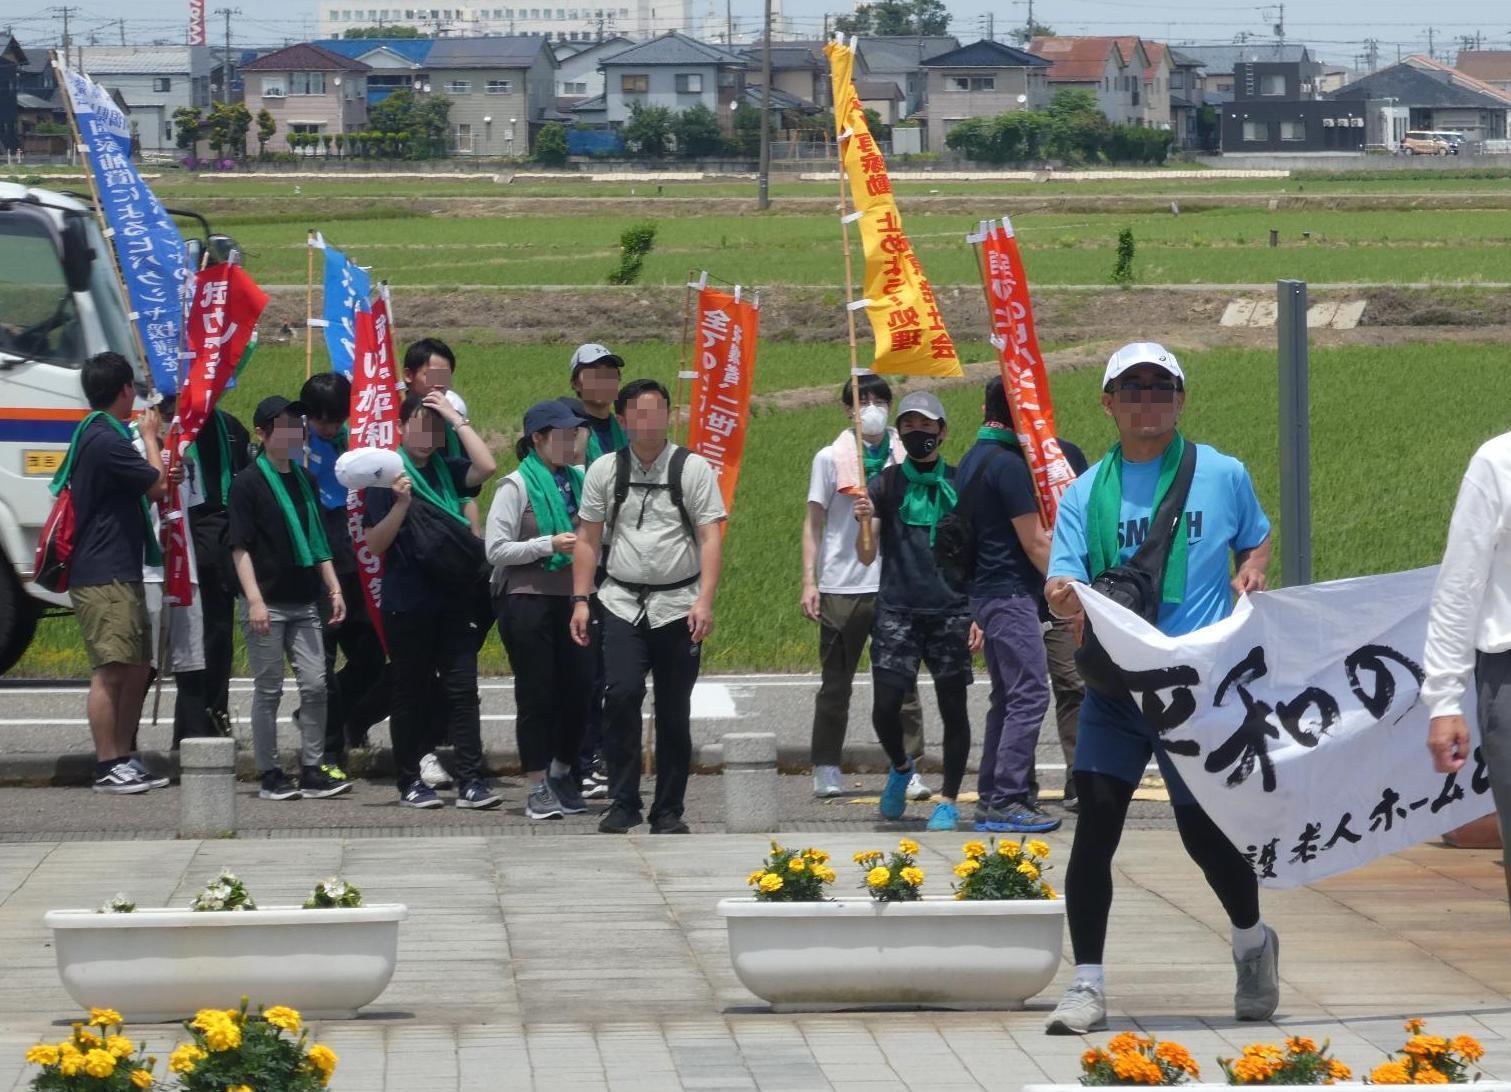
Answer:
(1295, 435)
(763, 189)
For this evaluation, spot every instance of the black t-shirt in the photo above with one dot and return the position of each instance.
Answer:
(108, 480)
(404, 586)
(258, 527)
(911, 580)
(338, 534)
(208, 456)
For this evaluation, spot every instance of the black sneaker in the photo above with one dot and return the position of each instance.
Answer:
(477, 794)
(667, 823)
(122, 779)
(155, 781)
(619, 819)
(419, 795)
(1072, 802)
(317, 783)
(276, 786)
(567, 794)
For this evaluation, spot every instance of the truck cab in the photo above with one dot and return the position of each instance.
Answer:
(59, 305)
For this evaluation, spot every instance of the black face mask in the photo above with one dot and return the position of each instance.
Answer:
(920, 444)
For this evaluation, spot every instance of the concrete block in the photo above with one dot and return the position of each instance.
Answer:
(1264, 313)
(1349, 314)
(1237, 313)
(1319, 315)
(750, 783)
(207, 794)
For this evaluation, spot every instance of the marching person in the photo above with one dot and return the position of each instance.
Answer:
(531, 536)
(358, 694)
(283, 563)
(111, 485)
(1012, 554)
(432, 562)
(1102, 520)
(839, 593)
(1469, 626)
(659, 507)
(922, 612)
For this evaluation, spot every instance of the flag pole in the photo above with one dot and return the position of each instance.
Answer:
(309, 304)
(844, 227)
(682, 368)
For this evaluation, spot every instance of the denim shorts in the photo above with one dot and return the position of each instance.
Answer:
(1114, 739)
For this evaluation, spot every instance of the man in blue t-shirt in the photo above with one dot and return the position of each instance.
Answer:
(1102, 520)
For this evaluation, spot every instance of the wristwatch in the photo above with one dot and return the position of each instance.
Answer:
(581, 598)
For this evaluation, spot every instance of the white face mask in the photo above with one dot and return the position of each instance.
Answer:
(873, 420)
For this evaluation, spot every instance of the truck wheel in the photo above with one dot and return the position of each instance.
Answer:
(18, 620)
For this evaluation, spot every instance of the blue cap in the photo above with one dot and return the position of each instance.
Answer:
(551, 414)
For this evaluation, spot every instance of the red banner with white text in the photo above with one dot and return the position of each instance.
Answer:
(1023, 373)
(724, 360)
(374, 423)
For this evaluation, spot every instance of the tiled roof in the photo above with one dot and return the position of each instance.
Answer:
(1219, 60)
(1419, 82)
(886, 90)
(135, 60)
(304, 57)
(412, 50)
(515, 51)
(898, 55)
(676, 48)
(1077, 60)
(986, 54)
(780, 100)
(1485, 64)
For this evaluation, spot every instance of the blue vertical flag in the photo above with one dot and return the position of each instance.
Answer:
(149, 246)
(347, 288)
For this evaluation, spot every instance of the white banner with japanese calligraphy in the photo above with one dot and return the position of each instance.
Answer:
(1297, 723)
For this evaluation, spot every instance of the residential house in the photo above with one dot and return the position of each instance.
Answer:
(883, 96)
(1435, 96)
(1492, 66)
(1330, 77)
(1277, 108)
(1101, 66)
(900, 60)
(983, 79)
(154, 81)
(798, 69)
(307, 89)
(12, 57)
(1187, 103)
(394, 64)
(1219, 61)
(500, 90)
(1157, 70)
(578, 75)
(677, 72)
(39, 99)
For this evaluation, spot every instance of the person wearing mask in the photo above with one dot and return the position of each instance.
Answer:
(283, 563)
(112, 486)
(1101, 523)
(531, 535)
(922, 611)
(357, 695)
(432, 561)
(839, 593)
(660, 508)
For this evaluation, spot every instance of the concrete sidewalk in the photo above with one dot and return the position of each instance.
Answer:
(601, 964)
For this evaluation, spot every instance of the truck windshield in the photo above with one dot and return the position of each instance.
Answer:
(106, 295)
(38, 317)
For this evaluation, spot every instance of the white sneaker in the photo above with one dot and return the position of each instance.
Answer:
(1082, 1009)
(917, 790)
(827, 781)
(433, 773)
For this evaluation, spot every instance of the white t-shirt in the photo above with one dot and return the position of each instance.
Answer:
(839, 569)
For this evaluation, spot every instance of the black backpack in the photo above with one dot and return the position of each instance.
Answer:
(1136, 585)
(673, 483)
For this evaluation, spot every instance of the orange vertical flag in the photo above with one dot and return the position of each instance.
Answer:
(724, 357)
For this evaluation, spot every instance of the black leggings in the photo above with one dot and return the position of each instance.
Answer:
(890, 691)
(1099, 827)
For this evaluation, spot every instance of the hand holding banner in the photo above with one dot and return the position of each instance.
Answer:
(724, 362)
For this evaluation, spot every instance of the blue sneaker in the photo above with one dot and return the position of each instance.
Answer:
(894, 798)
(1017, 818)
(477, 794)
(419, 795)
(946, 816)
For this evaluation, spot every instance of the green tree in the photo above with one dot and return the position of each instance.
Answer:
(383, 32)
(189, 123)
(879, 129)
(1025, 34)
(551, 145)
(634, 245)
(648, 132)
(895, 18)
(266, 127)
(698, 133)
(405, 124)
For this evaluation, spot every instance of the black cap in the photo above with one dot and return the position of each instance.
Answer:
(551, 414)
(274, 407)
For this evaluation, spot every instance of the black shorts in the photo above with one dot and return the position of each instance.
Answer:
(900, 641)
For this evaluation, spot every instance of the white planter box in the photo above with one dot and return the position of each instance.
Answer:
(1341, 1086)
(158, 965)
(856, 952)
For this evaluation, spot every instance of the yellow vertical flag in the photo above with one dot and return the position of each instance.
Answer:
(905, 320)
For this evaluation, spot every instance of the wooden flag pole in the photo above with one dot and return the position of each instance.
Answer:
(844, 227)
(309, 304)
(682, 368)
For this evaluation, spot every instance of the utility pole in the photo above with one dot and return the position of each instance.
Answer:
(991, 27)
(225, 68)
(1430, 55)
(763, 186)
(1029, 28)
(729, 23)
(122, 24)
(65, 12)
(1372, 53)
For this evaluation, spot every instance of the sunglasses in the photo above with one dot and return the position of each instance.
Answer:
(1161, 390)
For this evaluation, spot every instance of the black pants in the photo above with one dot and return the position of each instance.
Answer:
(1088, 876)
(553, 676)
(217, 602)
(359, 695)
(190, 716)
(891, 690)
(431, 648)
(592, 733)
(668, 653)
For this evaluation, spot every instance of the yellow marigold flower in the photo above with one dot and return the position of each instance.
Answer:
(223, 1036)
(878, 877)
(967, 868)
(1174, 1054)
(907, 845)
(1468, 1047)
(974, 850)
(1092, 1057)
(866, 856)
(1136, 1069)
(238, 1088)
(1028, 869)
(184, 1058)
(99, 1063)
(119, 1045)
(797, 864)
(1266, 1051)
(85, 1036)
(42, 1054)
(1300, 1044)
(142, 1078)
(70, 1063)
(1126, 1042)
(1337, 1070)
(1428, 1075)
(1389, 1073)
(818, 856)
(1010, 850)
(67, 1047)
(102, 1017)
(281, 1016)
(771, 882)
(1037, 848)
(1255, 1070)
(324, 1059)
(1049, 892)
(912, 876)
(1415, 1025)
(1425, 1046)
(824, 873)
(755, 877)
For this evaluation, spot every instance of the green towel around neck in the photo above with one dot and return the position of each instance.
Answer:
(1104, 512)
(310, 545)
(929, 496)
(547, 503)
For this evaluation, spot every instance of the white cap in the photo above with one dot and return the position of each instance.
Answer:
(593, 353)
(364, 466)
(1141, 352)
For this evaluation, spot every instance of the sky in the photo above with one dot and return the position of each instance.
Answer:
(1336, 29)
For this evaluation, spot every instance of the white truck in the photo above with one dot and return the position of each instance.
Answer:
(60, 304)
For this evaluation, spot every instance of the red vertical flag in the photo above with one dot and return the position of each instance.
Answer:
(374, 423)
(724, 361)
